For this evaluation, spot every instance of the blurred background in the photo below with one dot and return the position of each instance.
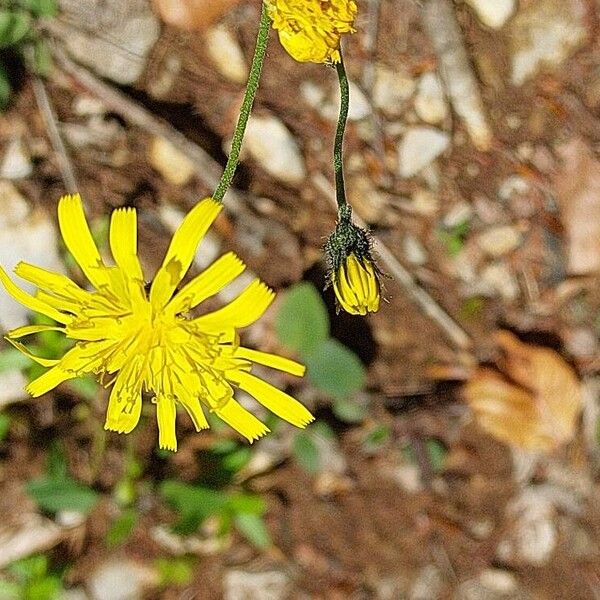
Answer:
(456, 450)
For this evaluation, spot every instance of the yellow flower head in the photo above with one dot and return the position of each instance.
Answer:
(352, 270)
(310, 30)
(356, 286)
(149, 342)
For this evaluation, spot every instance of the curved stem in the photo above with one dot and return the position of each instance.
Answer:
(246, 109)
(338, 161)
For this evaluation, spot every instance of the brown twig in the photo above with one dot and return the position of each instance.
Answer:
(64, 161)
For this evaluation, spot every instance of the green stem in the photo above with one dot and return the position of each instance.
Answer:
(338, 161)
(251, 87)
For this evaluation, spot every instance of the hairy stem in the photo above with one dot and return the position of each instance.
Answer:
(251, 88)
(338, 161)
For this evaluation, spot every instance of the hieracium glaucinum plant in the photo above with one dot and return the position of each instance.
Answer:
(146, 341)
(144, 338)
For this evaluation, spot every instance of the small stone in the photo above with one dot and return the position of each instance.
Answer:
(544, 34)
(245, 585)
(121, 580)
(493, 13)
(408, 477)
(173, 165)
(414, 251)
(12, 387)
(430, 102)
(581, 342)
(500, 240)
(368, 202)
(392, 89)
(460, 213)
(425, 202)
(74, 594)
(16, 163)
(501, 582)
(513, 186)
(419, 148)
(88, 106)
(428, 585)
(272, 145)
(226, 54)
(499, 280)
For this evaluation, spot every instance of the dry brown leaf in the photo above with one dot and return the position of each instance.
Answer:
(534, 404)
(577, 187)
(192, 15)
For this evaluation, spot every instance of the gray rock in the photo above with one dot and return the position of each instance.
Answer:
(226, 54)
(428, 584)
(272, 145)
(493, 13)
(111, 37)
(500, 240)
(544, 34)
(16, 163)
(430, 102)
(392, 89)
(245, 585)
(121, 580)
(419, 148)
(414, 251)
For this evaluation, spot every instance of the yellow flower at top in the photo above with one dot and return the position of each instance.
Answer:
(311, 30)
(149, 341)
(356, 286)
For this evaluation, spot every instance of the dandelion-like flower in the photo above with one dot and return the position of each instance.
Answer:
(356, 286)
(311, 30)
(148, 341)
(352, 269)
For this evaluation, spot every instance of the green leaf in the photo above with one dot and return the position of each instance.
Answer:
(5, 88)
(174, 571)
(335, 369)
(437, 454)
(193, 503)
(246, 503)
(41, 8)
(42, 58)
(121, 528)
(237, 460)
(376, 437)
(48, 588)
(14, 26)
(9, 590)
(32, 567)
(55, 495)
(56, 466)
(306, 452)
(87, 387)
(349, 411)
(253, 528)
(302, 322)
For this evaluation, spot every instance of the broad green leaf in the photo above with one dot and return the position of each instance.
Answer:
(31, 567)
(14, 26)
(48, 588)
(237, 460)
(302, 322)
(55, 495)
(253, 528)
(121, 528)
(246, 503)
(349, 411)
(306, 453)
(194, 504)
(9, 590)
(41, 8)
(335, 369)
(174, 571)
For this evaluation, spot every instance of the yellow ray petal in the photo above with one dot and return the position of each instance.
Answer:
(55, 283)
(78, 240)
(45, 362)
(245, 309)
(192, 406)
(278, 402)
(165, 415)
(30, 302)
(222, 272)
(20, 332)
(271, 360)
(123, 242)
(243, 421)
(62, 304)
(125, 402)
(182, 250)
